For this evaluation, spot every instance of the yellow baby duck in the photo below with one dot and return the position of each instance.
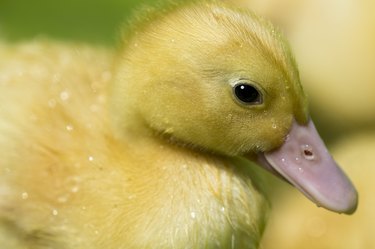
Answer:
(148, 153)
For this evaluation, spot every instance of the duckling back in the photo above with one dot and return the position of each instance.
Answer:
(53, 103)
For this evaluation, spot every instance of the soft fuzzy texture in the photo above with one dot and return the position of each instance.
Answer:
(138, 148)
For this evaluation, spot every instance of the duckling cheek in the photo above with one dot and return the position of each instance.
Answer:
(273, 132)
(305, 162)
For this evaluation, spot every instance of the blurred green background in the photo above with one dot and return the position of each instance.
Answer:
(79, 20)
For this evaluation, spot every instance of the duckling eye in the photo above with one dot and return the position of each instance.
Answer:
(247, 94)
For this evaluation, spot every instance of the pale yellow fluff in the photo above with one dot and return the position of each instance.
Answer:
(141, 164)
(67, 183)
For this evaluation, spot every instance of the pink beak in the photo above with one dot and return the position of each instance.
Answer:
(304, 161)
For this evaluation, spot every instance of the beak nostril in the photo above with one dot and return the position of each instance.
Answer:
(308, 153)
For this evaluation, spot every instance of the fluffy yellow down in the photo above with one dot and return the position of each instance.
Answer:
(97, 152)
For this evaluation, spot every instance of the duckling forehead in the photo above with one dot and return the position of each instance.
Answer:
(213, 27)
(213, 36)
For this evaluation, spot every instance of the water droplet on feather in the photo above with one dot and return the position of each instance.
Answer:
(69, 127)
(64, 95)
(24, 195)
(193, 215)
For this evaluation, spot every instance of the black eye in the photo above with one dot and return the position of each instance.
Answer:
(247, 94)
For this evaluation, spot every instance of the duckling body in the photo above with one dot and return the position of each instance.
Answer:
(55, 198)
(140, 148)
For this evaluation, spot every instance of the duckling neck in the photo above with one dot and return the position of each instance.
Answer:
(192, 191)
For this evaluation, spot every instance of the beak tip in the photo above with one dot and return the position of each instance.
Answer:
(346, 204)
(353, 204)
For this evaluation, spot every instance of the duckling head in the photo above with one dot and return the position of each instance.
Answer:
(224, 81)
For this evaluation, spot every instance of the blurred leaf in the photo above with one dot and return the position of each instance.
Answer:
(94, 21)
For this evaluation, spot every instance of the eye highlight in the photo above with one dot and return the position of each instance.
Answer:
(247, 94)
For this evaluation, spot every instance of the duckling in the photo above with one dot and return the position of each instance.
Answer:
(315, 228)
(149, 146)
